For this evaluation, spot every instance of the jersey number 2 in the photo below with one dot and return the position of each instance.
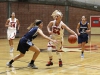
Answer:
(56, 30)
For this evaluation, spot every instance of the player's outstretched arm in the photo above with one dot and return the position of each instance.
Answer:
(46, 37)
(69, 30)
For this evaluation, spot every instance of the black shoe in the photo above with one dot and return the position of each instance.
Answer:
(49, 63)
(32, 66)
(60, 64)
(9, 65)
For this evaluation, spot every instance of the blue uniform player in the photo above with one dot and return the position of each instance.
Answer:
(26, 44)
(83, 28)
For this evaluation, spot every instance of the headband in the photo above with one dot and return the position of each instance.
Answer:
(37, 23)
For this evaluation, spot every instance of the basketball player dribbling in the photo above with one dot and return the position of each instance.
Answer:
(12, 23)
(25, 43)
(83, 28)
(57, 30)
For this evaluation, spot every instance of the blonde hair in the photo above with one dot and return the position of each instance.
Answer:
(35, 23)
(57, 12)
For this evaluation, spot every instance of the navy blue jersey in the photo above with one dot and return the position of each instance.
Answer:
(83, 37)
(32, 34)
(83, 28)
(26, 41)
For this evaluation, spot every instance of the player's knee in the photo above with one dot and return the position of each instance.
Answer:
(79, 45)
(49, 49)
(38, 51)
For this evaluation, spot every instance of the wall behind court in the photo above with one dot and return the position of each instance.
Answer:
(3, 17)
(27, 13)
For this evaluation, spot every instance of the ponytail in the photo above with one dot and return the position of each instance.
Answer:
(31, 25)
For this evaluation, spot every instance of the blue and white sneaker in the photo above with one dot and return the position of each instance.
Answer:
(11, 50)
(82, 55)
(32, 66)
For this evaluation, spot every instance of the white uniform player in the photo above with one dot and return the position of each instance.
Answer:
(13, 25)
(11, 31)
(56, 33)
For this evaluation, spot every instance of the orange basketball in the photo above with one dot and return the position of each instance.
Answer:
(72, 39)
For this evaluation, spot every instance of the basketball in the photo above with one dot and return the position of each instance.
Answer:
(72, 39)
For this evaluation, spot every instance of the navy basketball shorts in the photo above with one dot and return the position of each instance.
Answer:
(23, 46)
(83, 38)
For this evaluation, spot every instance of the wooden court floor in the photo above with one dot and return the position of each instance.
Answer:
(73, 64)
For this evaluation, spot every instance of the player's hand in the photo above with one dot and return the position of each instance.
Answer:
(78, 33)
(87, 31)
(75, 34)
(17, 31)
(9, 25)
(50, 32)
(56, 41)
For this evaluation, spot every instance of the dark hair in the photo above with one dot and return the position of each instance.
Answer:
(35, 23)
(38, 22)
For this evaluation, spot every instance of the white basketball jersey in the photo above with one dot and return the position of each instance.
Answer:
(12, 23)
(58, 31)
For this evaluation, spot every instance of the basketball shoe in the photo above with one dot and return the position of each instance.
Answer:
(32, 66)
(49, 63)
(11, 49)
(9, 65)
(60, 64)
(82, 55)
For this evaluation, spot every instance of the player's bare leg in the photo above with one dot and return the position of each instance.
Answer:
(83, 48)
(11, 45)
(9, 64)
(37, 51)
